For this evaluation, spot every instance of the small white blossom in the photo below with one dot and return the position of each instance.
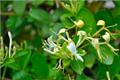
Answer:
(95, 43)
(71, 47)
(106, 37)
(50, 46)
(82, 35)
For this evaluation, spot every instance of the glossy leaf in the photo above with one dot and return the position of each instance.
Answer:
(39, 65)
(89, 20)
(108, 55)
(40, 15)
(19, 6)
(77, 66)
(37, 2)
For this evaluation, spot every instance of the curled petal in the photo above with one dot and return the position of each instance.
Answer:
(106, 37)
(62, 31)
(95, 43)
(71, 47)
(79, 57)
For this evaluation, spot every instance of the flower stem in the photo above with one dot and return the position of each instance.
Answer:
(98, 31)
(4, 71)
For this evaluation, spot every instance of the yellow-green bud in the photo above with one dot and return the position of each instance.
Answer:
(62, 31)
(101, 23)
(79, 23)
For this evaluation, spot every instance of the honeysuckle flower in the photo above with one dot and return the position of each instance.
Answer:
(95, 43)
(83, 33)
(50, 46)
(101, 23)
(6, 52)
(82, 36)
(11, 51)
(62, 31)
(106, 37)
(71, 47)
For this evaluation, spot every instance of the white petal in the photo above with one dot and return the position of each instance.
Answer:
(79, 57)
(106, 37)
(71, 47)
(10, 43)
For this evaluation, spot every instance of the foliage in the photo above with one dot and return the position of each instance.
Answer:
(59, 40)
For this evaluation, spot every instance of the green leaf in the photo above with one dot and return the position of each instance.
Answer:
(79, 4)
(83, 77)
(50, 3)
(66, 62)
(73, 5)
(107, 54)
(89, 20)
(19, 6)
(117, 3)
(37, 2)
(104, 15)
(115, 67)
(66, 21)
(40, 15)
(15, 24)
(81, 52)
(21, 53)
(7, 62)
(89, 60)
(21, 75)
(14, 66)
(116, 12)
(77, 66)
(39, 65)
(23, 58)
(116, 20)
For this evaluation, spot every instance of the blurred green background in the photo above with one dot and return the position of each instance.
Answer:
(32, 21)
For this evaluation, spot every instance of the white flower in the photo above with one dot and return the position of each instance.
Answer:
(83, 33)
(95, 43)
(71, 47)
(82, 36)
(50, 46)
(106, 37)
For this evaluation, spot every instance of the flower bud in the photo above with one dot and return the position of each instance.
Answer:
(62, 31)
(79, 23)
(101, 23)
(81, 33)
(95, 43)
